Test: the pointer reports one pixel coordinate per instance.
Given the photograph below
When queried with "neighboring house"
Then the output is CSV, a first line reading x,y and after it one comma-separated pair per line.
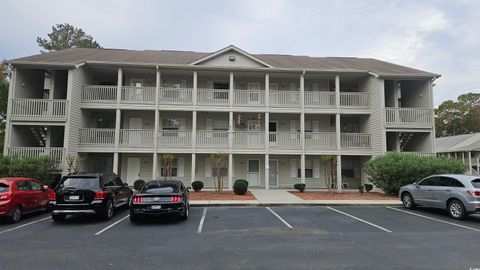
x,y
274,115
464,147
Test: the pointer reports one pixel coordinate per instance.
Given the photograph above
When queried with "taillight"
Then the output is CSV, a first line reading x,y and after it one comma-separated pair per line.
x,y
52,196
175,199
100,195
6,196
473,193
137,199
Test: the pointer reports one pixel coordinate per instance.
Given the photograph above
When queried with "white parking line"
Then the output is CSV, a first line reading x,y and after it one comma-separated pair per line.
x,y
279,217
359,219
24,225
111,225
434,219
200,225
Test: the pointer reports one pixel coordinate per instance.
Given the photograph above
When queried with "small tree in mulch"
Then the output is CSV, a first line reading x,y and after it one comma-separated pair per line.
x,y
330,172
73,163
218,159
167,165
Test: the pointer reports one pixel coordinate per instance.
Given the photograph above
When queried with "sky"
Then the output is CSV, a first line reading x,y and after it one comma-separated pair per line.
x,y
442,37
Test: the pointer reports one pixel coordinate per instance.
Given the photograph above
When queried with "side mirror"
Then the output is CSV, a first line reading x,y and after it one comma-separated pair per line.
x,y
125,184
189,188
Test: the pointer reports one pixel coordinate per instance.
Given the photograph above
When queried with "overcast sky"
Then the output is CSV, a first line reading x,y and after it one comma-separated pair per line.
x,y
437,36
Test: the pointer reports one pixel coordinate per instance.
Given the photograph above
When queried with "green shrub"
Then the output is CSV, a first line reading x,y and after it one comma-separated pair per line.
x,y
394,170
138,184
368,187
240,187
197,185
361,189
40,168
300,187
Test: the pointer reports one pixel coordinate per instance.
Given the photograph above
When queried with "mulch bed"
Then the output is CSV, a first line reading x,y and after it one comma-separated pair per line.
x,y
346,195
226,195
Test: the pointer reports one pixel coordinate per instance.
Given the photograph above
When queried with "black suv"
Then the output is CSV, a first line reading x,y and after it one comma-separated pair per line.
x,y
88,194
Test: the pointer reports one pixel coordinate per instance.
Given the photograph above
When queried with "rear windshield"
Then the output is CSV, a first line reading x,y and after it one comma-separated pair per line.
x,y
476,183
159,188
90,183
3,187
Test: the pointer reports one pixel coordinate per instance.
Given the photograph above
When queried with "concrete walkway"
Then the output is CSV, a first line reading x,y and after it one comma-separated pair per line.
x,y
275,196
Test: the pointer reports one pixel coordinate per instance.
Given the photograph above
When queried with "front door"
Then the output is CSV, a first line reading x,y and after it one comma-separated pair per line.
x,y
254,95
254,136
136,93
133,170
134,137
273,173
253,176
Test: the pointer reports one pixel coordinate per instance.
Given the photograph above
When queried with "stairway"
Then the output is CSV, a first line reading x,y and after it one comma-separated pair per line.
x,y
40,135
405,138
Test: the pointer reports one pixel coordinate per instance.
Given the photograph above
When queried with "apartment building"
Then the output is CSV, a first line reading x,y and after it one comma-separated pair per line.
x,y
276,116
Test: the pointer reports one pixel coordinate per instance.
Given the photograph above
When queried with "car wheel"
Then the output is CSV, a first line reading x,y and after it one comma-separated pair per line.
x,y
408,201
15,215
133,217
185,213
456,209
108,213
58,217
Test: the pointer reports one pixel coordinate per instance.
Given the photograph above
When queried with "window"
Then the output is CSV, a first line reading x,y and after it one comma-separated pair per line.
x,y
171,123
118,181
89,183
308,169
220,124
23,186
223,172
35,185
174,169
432,181
3,187
158,187
450,182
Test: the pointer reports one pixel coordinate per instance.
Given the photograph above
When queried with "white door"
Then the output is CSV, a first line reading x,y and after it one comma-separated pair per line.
x,y
135,137
253,176
272,128
273,173
135,94
254,136
253,95
133,170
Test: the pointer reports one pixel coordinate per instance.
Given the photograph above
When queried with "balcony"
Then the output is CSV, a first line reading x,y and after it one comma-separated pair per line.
x,y
137,137
320,99
99,94
212,139
97,136
174,138
216,97
56,152
26,109
354,100
280,98
175,96
408,117
285,140
320,141
248,139
355,141
139,95
249,98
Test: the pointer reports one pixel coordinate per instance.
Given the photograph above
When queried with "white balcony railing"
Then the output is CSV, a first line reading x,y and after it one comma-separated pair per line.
x,y
212,138
55,152
320,140
249,97
284,140
418,154
284,98
142,95
320,99
99,93
213,96
408,117
355,140
103,136
29,109
137,137
248,139
175,138
354,99
175,96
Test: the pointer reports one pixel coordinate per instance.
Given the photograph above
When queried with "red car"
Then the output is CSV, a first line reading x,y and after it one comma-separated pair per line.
x,y
20,196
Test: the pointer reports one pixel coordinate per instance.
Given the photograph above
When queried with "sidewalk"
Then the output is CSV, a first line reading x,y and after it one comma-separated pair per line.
x,y
279,197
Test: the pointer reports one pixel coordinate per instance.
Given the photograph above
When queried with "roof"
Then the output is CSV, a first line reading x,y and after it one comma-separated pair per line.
x,y
77,56
459,143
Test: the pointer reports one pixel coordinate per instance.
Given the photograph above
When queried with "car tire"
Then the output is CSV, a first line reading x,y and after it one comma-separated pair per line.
x,y
58,217
185,212
134,217
108,212
456,209
408,201
15,215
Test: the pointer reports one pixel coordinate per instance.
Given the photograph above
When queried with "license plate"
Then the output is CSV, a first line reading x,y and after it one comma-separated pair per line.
x,y
156,207
76,197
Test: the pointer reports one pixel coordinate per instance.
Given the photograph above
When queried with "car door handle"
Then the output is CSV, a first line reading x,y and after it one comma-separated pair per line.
x,y
448,190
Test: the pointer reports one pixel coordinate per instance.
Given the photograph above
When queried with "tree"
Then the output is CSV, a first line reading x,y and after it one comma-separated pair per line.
x,y
218,160
167,165
3,105
330,166
64,36
458,117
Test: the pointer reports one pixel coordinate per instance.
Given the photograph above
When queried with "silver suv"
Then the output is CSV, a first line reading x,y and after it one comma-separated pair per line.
x,y
458,194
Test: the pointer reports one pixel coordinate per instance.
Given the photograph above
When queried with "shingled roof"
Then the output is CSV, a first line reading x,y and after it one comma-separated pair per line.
x,y
459,143
76,56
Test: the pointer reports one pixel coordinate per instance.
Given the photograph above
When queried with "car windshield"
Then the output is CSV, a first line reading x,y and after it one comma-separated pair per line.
x,y
160,188
476,183
3,187
90,183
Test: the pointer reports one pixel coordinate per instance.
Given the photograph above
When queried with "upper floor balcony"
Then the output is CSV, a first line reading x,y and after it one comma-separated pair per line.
x,y
32,109
408,118
57,153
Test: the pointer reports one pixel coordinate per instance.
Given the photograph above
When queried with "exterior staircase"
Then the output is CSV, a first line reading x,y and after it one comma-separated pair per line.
x,y
40,135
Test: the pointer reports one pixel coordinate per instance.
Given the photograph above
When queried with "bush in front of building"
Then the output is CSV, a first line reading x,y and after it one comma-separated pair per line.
x,y
197,185
40,168
138,184
240,187
368,187
394,170
300,187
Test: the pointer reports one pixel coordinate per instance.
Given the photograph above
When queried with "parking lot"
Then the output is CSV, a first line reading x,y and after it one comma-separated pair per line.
x,y
247,238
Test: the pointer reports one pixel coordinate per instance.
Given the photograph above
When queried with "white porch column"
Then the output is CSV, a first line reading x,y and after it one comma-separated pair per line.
x,y
192,175
194,129
117,120
156,125
117,128
267,131
194,92
52,85
339,173
397,142
8,123
48,137
267,91
230,171
115,163
230,93
470,162
119,85
267,171
463,157
302,127
230,131
337,91
338,131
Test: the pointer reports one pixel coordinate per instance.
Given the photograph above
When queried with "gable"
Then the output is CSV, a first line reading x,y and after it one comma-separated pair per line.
x,y
225,60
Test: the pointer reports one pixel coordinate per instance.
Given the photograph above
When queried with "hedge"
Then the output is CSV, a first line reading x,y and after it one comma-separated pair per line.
x,y
40,168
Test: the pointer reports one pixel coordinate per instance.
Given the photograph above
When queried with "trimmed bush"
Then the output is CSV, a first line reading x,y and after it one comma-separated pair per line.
x,y
40,168
138,184
361,189
368,187
300,187
394,170
240,187
197,185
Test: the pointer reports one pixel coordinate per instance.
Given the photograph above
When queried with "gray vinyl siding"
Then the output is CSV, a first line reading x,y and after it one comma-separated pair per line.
x,y
375,122
223,60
